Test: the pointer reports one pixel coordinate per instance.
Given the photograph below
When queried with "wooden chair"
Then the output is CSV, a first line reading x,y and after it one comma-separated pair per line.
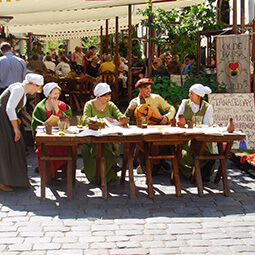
x,y
40,71
109,78
82,90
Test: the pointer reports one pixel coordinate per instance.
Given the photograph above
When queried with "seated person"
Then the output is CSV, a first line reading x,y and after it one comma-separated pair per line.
x,y
49,64
158,69
63,68
196,106
166,59
136,62
146,97
173,66
93,66
189,65
107,65
43,110
158,103
101,107
36,63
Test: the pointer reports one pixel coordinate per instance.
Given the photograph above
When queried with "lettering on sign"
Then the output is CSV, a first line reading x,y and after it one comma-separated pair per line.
x,y
240,107
233,62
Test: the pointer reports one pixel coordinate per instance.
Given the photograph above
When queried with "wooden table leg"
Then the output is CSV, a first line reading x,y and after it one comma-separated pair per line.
x,y
176,176
69,175
98,163
199,182
103,173
43,174
74,162
226,153
223,164
126,150
131,173
148,170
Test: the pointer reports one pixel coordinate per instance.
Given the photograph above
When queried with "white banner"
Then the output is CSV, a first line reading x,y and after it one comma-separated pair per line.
x,y
240,107
233,62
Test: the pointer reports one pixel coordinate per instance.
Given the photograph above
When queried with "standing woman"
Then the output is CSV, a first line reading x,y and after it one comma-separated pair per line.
x,y
13,163
101,107
196,106
43,110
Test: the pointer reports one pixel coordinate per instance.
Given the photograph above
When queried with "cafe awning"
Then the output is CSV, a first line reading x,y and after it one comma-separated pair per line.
x,y
60,19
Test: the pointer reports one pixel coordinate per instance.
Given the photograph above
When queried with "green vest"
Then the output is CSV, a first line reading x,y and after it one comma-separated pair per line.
x,y
190,115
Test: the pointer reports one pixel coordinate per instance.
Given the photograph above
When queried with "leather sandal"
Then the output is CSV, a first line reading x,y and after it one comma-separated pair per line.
x,y
4,187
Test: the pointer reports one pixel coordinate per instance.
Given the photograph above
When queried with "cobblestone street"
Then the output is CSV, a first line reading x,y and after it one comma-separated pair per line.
x,y
165,225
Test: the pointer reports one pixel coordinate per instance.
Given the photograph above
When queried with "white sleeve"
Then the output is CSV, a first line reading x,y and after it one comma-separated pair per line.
x,y
17,93
208,114
181,108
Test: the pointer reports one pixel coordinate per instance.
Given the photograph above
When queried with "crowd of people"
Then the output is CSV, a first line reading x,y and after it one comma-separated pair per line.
x,y
16,83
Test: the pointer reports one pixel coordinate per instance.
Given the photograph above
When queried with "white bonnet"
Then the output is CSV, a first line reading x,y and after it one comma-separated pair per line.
x,y
101,89
49,87
200,90
34,78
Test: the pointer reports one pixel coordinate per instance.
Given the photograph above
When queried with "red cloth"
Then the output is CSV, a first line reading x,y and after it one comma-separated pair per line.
x,y
250,157
54,150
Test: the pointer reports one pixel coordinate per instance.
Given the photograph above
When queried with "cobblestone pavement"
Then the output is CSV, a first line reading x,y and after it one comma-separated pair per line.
x,y
165,225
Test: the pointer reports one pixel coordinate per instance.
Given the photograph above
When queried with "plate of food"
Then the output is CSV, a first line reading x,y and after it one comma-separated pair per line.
x,y
95,123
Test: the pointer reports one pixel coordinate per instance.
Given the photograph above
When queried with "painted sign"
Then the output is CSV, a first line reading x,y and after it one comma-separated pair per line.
x,y
240,107
233,62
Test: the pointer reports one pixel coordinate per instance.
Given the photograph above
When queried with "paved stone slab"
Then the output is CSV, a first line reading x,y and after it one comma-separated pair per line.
x,y
164,225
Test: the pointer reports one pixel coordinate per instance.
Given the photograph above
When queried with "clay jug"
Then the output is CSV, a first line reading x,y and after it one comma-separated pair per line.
x,y
172,122
230,126
190,123
181,121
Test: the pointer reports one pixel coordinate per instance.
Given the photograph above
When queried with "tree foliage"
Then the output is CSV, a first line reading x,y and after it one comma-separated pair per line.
x,y
177,29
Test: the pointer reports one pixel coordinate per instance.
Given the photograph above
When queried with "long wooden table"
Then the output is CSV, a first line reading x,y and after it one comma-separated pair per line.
x,y
175,142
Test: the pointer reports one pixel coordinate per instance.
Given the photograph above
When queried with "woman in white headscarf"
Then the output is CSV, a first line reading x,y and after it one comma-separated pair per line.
x,y
13,163
101,107
196,106
43,110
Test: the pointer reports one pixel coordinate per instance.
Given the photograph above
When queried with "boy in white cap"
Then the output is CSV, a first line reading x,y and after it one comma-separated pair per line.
x,y
43,110
13,165
196,106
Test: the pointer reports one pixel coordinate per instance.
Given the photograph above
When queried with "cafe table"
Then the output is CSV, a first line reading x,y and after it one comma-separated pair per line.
x,y
151,136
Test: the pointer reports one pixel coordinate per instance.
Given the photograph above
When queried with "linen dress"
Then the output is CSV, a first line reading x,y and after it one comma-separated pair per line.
x,y
89,149
13,162
187,159
40,115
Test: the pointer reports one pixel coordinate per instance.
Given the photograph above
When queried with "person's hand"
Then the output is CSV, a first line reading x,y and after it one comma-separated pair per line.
x,y
132,107
54,104
67,124
164,121
109,119
17,134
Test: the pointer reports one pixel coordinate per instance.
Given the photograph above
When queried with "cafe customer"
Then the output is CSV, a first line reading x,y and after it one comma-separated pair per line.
x,y
43,111
196,106
102,107
155,101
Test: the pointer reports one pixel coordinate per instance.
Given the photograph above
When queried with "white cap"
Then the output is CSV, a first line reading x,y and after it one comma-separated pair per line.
x,y
200,90
34,78
48,87
101,89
